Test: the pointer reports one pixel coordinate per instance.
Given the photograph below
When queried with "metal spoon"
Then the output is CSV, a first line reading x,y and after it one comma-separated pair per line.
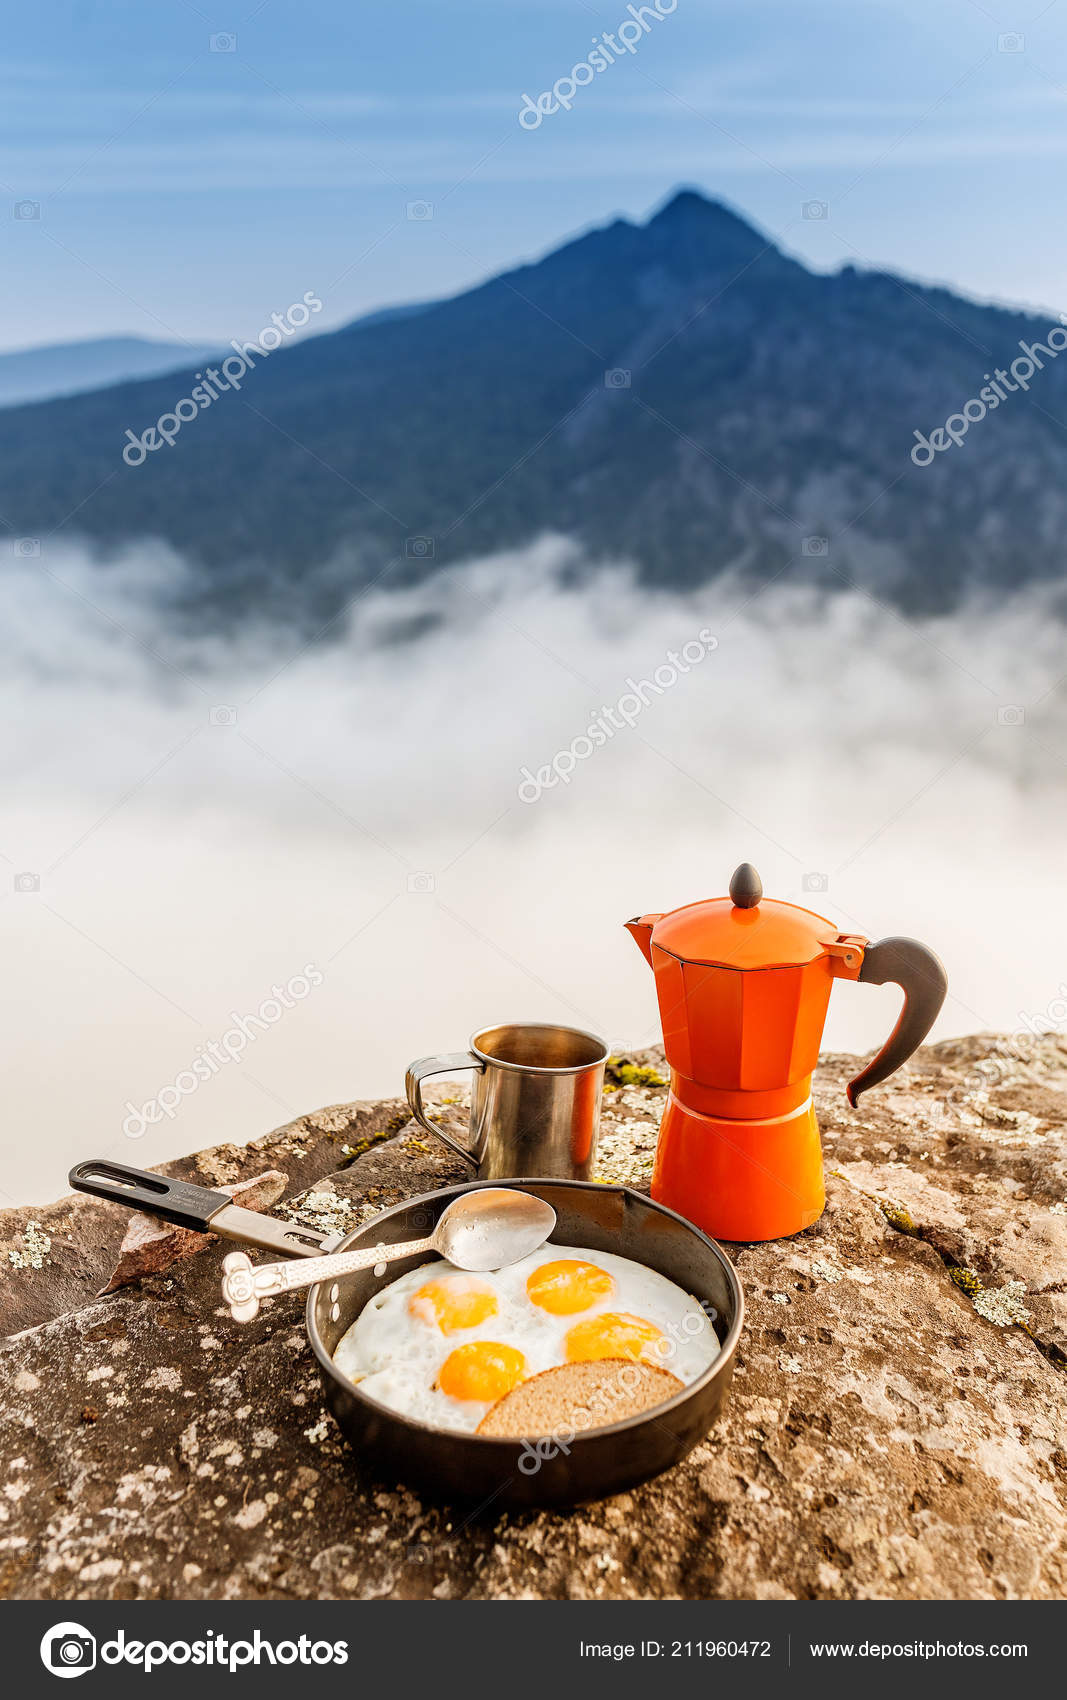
x,y
485,1229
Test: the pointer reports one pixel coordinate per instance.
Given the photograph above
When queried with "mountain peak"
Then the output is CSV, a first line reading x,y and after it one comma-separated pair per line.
x,y
706,229
690,207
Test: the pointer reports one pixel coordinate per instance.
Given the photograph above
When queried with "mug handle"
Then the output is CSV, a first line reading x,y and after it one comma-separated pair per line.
x,y
417,1073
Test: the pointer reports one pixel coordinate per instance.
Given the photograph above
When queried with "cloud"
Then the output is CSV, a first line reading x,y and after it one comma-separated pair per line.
x,y
205,816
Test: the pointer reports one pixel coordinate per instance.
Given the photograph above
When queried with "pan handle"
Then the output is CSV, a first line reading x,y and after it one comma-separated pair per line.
x,y
197,1207
176,1201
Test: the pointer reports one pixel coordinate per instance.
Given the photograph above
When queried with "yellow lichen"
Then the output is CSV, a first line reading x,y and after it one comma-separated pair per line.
x,y
393,1125
620,1073
896,1215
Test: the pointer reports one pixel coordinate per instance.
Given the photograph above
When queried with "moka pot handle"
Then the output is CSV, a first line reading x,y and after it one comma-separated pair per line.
x,y
921,975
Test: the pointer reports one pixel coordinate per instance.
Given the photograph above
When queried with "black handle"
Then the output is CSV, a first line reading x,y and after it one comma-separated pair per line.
x,y
921,975
176,1201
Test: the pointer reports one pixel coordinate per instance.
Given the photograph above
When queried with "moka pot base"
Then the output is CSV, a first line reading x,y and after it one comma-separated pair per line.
x,y
740,1179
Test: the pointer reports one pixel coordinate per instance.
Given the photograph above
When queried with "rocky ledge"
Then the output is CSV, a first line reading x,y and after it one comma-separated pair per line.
x,y
897,1427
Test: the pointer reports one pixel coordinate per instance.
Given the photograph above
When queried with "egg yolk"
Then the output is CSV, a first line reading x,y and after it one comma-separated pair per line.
x,y
568,1286
453,1305
483,1370
614,1334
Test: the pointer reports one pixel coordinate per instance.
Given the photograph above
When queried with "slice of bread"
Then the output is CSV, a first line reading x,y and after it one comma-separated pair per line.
x,y
579,1396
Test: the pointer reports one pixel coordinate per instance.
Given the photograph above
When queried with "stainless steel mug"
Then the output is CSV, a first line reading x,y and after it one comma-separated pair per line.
x,y
535,1101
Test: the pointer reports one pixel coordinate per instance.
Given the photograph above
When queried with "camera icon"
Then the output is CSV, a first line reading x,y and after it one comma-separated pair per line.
x,y
224,42
1011,714
1012,42
27,209
815,209
421,884
815,882
27,882
68,1650
419,548
815,546
419,211
222,715
25,547
618,378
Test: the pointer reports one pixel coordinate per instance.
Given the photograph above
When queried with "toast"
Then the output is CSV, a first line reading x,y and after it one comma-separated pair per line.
x,y
579,1396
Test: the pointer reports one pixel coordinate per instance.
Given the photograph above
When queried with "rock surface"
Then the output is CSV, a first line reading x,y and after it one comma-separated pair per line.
x,y
897,1426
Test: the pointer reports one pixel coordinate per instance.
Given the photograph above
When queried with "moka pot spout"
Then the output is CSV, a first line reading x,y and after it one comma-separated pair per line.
x,y
641,928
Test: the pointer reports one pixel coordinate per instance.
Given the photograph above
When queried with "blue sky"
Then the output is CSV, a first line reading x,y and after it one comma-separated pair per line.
x,y
190,192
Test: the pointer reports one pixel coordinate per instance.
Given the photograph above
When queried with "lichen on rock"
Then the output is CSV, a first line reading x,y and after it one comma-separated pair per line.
x,y
33,1250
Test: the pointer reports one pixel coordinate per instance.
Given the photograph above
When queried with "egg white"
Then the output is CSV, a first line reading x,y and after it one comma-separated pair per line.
x,y
396,1357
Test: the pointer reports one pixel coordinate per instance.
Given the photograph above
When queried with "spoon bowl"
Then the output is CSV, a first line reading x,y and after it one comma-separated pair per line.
x,y
493,1227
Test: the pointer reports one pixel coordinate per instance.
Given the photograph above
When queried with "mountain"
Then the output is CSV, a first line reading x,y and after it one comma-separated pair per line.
x,y
65,368
680,393
385,315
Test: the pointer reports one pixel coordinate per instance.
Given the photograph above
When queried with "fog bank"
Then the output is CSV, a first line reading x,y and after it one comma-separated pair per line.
x,y
190,822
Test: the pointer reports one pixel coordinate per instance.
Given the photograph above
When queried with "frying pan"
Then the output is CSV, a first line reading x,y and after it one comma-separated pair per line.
x,y
457,1466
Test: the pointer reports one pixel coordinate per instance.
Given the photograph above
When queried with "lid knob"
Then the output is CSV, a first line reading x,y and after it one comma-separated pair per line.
x,y
746,887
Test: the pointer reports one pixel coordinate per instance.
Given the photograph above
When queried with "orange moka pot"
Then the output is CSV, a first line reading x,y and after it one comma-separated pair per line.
x,y
743,985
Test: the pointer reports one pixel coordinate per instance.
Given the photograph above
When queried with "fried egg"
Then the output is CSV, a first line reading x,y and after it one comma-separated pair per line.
x,y
442,1345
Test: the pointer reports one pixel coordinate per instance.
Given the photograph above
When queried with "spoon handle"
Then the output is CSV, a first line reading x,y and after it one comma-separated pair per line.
x,y
245,1284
